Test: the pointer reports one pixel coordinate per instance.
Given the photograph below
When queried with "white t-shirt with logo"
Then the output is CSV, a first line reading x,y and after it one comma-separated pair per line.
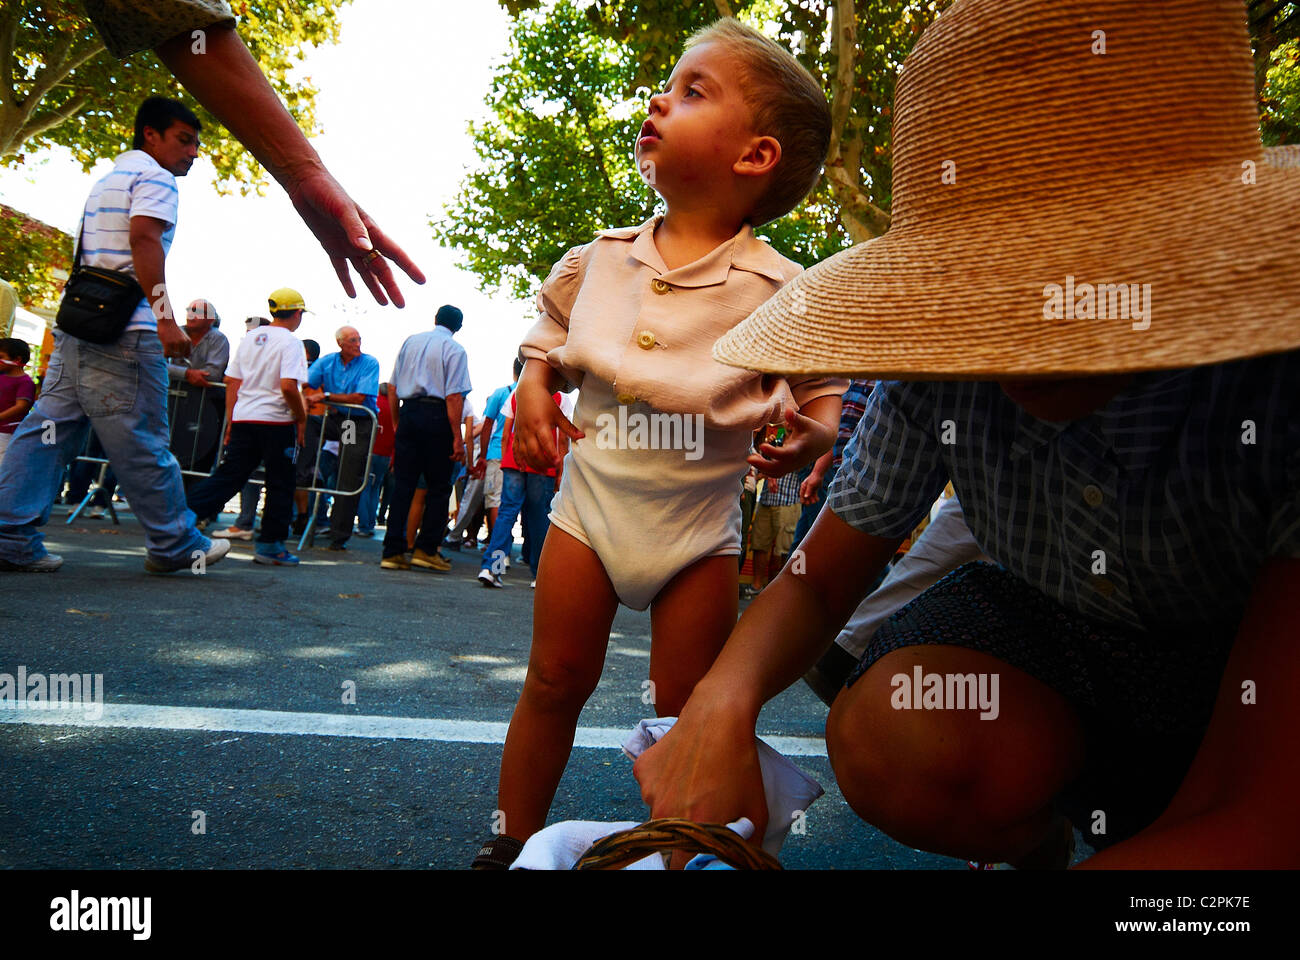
x,y
266,356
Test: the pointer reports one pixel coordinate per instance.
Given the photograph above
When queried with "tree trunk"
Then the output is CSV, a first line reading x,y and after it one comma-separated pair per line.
x,y
18,124
862,219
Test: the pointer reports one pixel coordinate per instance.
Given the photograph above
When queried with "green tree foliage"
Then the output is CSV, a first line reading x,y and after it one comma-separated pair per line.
x,y
30,252
60,86
555,159
1275,30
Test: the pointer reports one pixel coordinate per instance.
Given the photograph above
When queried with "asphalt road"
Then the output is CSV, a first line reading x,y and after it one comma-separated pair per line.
x,y
244,637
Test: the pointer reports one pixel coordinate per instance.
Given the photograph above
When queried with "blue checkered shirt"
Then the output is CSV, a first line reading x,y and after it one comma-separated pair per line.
x,y
1179,488
780,493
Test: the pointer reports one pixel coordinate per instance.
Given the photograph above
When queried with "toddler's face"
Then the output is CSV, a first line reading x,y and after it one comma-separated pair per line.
x,y
698,127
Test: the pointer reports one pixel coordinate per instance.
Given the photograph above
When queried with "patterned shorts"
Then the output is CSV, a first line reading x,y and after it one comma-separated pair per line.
x,y
1144,699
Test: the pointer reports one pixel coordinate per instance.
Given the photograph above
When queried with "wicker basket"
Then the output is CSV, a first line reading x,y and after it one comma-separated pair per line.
x,y
656,836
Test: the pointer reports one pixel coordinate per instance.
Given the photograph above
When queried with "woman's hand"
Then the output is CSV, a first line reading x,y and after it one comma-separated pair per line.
x,y
706,770
348,235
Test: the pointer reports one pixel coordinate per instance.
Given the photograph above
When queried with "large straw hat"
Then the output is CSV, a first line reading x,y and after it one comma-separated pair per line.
x,y
1030,167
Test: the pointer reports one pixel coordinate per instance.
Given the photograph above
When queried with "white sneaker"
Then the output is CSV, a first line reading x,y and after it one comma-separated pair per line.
x,y
46,564
215,552
488,579
95,513
533,585
233,533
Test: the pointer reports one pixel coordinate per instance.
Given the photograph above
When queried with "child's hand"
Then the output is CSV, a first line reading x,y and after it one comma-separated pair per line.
x,y
537,417
806,439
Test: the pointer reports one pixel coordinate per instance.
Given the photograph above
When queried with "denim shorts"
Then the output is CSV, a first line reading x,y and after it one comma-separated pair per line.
x,y
1144,699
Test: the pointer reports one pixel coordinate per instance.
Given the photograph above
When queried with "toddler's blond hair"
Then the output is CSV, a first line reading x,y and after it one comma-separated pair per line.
x,y
786,103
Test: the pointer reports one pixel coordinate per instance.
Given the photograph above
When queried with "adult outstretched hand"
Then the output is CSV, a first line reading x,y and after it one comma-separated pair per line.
x,y
349,235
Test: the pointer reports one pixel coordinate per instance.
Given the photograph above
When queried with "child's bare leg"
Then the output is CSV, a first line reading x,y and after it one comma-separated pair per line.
x,y
946,780
690,621
572,612
762,565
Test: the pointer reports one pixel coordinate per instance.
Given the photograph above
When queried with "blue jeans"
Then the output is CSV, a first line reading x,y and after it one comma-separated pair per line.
x,y
368,505
121,389
532,493
808,515
248,498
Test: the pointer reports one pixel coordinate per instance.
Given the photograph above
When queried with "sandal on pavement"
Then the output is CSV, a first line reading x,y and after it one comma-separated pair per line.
x,y
497,853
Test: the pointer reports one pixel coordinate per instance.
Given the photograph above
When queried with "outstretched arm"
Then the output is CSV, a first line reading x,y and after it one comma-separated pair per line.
x,y
706,767
227,80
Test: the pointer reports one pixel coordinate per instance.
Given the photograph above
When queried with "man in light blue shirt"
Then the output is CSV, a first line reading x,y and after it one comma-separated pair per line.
x,y
430,379
346,377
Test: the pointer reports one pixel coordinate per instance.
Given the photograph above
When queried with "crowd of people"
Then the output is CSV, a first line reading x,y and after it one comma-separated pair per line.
x,y
1113,504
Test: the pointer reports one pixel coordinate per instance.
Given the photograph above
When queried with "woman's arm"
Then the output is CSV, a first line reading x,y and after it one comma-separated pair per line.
x,y
706,767
1237,806
227,80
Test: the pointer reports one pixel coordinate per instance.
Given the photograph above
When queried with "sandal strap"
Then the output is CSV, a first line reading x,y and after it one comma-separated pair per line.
x,y
497,853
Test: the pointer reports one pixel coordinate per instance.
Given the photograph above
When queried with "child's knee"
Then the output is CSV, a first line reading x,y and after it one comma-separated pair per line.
x,y
560,684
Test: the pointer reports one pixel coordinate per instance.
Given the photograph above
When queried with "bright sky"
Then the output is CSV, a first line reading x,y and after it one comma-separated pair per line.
x,y
396,96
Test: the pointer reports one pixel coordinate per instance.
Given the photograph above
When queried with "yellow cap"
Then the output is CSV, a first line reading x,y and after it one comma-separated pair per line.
x,y
286,298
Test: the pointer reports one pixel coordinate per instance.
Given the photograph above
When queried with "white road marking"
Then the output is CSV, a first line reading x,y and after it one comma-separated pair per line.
x,y
147,717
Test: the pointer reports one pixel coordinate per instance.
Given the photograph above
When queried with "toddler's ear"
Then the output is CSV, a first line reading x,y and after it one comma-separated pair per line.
x,y
761,157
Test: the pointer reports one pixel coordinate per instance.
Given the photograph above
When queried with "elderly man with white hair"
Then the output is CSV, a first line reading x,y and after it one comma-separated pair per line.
x,y
348,376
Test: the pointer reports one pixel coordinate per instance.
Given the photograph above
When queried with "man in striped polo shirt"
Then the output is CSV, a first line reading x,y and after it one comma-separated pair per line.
x,y
119,388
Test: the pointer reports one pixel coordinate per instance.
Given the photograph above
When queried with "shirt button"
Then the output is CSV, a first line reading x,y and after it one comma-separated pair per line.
x,y
659,286
1103,586
645,339
1092,495
626,399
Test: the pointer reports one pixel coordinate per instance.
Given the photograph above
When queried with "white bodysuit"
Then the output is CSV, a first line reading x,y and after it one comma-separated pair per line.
x,y
638,338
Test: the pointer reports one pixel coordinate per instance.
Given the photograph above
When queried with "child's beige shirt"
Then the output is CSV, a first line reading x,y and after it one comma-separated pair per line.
x,y
613,309
638,338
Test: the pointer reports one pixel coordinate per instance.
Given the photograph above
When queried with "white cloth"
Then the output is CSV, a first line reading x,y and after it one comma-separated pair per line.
x,y
266,356
648,513
789,791
136,187
561,845
942,547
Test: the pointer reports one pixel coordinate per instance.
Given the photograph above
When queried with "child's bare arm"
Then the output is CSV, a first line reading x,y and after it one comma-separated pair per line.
x,y
537,417
16,412
809,434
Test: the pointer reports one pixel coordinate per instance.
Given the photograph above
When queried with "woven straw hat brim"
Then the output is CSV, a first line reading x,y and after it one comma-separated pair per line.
x,y
964,299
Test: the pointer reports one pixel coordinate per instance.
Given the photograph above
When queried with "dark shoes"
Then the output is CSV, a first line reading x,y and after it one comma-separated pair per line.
x,y
497,853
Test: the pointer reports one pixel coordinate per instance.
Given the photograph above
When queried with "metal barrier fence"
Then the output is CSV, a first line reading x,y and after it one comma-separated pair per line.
x,y
196,417
321,439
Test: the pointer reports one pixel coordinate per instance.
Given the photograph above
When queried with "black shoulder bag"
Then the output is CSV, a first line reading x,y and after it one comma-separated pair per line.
x,y
97,304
